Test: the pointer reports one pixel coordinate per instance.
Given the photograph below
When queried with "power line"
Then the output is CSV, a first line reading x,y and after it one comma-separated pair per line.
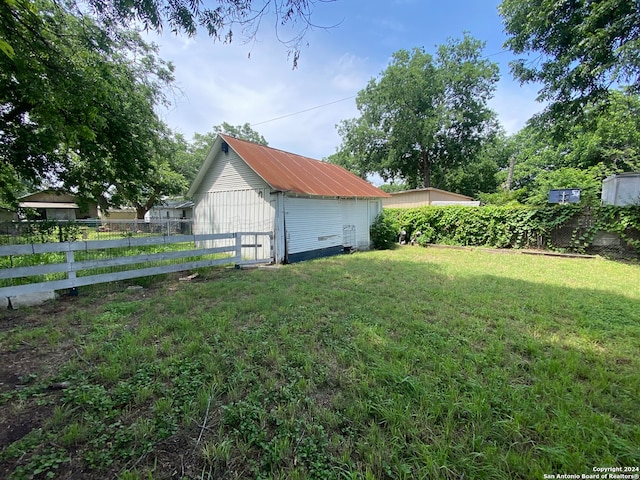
x,y
497,53
303,111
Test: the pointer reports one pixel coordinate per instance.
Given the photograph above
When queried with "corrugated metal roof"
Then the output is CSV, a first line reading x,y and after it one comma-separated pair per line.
x,y
429,189
293,173
177,204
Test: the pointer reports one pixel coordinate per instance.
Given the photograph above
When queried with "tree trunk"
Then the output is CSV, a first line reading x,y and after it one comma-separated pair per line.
x,y
140,211
426,169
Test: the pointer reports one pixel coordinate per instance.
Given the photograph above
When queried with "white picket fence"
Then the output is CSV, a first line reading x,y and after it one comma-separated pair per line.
x,y
231,245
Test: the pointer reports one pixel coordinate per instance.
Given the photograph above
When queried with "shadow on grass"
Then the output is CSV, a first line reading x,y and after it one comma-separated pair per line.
x,y
544,372
392,365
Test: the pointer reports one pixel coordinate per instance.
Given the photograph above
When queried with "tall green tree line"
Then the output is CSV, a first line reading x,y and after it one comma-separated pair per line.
x,y
77,105
424,117
79,91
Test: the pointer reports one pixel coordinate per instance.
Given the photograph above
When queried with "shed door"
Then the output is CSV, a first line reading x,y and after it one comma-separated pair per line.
x,y
312,224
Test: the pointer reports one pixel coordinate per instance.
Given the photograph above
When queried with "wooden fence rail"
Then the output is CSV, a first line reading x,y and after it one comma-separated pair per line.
x,y
71,267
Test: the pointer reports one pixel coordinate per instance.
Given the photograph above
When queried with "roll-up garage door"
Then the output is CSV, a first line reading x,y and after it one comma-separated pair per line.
x,y
313,225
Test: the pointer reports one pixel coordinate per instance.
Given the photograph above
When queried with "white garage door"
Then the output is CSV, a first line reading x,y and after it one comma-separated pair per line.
x,y
312,224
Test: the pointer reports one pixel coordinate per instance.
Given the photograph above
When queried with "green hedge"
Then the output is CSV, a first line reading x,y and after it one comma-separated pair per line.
x,y
510,226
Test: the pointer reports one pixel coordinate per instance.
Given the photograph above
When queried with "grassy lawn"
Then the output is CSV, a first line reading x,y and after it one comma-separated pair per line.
x,y
414,363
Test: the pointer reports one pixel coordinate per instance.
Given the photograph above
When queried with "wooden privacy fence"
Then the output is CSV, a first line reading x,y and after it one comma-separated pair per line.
x,y
230,245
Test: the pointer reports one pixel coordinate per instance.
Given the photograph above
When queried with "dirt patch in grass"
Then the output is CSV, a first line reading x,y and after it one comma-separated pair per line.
x,y
28,367
21,366
27,357
328,370
21,423
174,457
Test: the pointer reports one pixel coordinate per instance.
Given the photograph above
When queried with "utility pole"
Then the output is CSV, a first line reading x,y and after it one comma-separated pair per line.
x,y
512,164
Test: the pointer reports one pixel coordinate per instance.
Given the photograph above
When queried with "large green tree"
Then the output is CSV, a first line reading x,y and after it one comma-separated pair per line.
x,y
221,19
76,106
577,49
606,142
423,117
164,177
610,135
78,95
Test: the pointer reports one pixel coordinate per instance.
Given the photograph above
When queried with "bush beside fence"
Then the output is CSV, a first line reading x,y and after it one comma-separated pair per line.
x,y
606,230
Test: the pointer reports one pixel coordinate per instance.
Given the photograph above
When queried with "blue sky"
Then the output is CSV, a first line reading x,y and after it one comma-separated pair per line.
x,y
254,82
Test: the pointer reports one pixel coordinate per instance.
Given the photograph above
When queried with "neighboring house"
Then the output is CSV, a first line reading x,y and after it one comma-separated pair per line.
x,y
622,190
313,208
426,196
121,213
171,209
56,205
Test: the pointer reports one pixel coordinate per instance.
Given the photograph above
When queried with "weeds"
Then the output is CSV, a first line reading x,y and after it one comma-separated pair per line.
x,y
415,363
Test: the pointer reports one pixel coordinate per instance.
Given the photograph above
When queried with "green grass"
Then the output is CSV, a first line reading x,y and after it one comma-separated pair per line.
x,y
413,363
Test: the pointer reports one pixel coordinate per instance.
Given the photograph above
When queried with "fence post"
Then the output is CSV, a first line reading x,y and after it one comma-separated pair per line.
x,y
71,274
238,247
272,247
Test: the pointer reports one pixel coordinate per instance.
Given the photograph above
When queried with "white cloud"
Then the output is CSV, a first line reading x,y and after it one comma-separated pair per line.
x,y
220,83
515,104
349,73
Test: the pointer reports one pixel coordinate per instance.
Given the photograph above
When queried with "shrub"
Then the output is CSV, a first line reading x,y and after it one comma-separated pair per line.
x,y
384,231
513,226
424,239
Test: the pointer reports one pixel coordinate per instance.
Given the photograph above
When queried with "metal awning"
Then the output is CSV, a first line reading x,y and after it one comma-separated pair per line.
x,y
61,205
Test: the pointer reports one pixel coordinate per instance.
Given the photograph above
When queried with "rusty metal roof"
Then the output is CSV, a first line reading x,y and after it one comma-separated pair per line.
x,y
289,172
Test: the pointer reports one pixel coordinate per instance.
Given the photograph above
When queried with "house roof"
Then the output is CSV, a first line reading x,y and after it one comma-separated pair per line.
x,y
46,191
430,189
288,172
175,204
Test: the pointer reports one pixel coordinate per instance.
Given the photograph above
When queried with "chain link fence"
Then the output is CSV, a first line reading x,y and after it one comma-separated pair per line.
x,y
580,234
57,231
45,231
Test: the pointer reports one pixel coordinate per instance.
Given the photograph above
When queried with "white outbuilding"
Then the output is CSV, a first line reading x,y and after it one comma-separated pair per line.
x,y
312,208
622,190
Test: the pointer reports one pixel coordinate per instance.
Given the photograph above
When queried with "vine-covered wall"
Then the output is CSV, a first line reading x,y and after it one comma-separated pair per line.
x,y
559,227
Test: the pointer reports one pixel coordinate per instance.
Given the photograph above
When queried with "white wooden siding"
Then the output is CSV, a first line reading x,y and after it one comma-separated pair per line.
x,y
375,207
277,203
236,211
229,172
233,198
358,213
312,224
